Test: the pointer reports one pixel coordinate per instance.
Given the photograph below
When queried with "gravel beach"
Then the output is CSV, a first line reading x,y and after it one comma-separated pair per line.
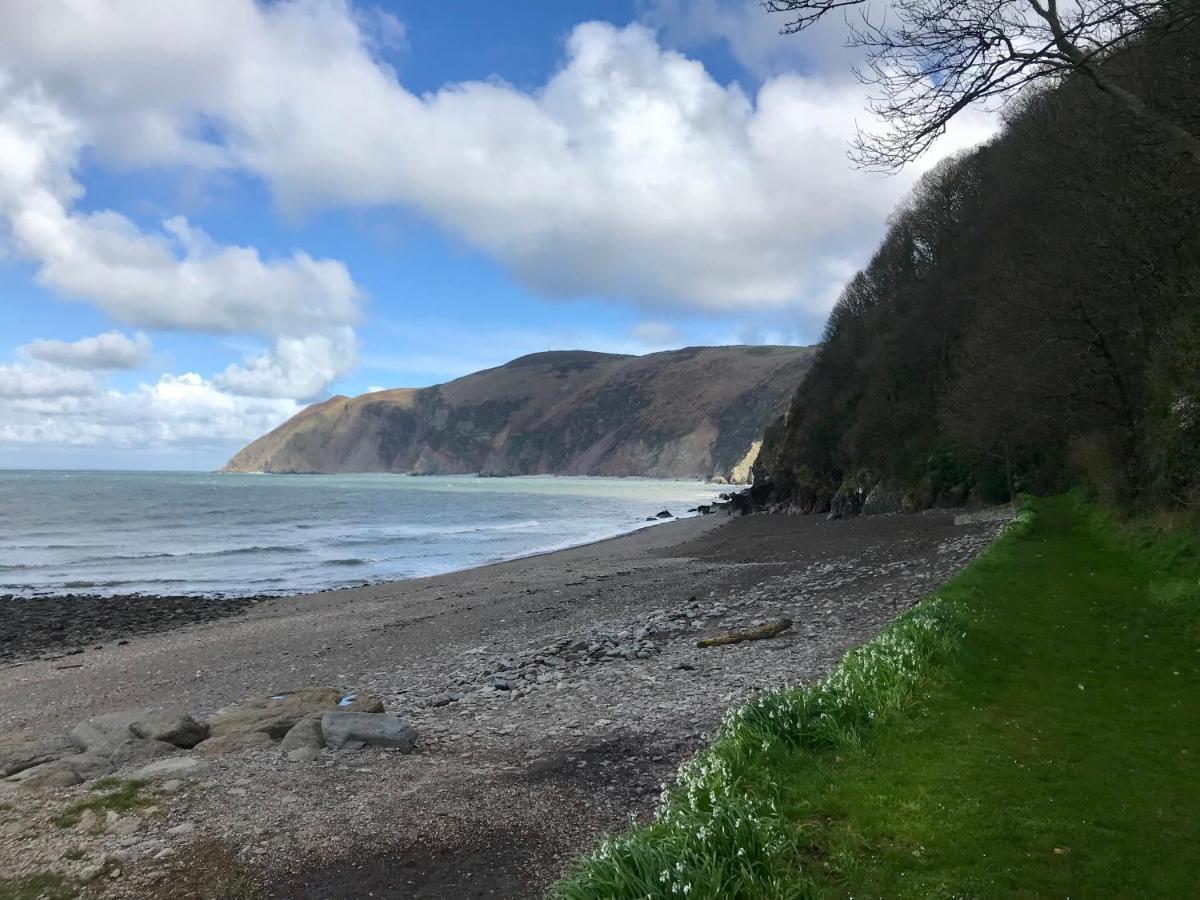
x,y
552,696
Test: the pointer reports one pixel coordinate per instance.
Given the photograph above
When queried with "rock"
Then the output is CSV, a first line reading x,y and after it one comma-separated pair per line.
x,y
103,733
352,731
20,751
443,699
136,750
47,775
305,733
176,728
125,826
304,754
88,874
363,703
172,769
171,786
274,715
665,514
233,743
63,772
183,829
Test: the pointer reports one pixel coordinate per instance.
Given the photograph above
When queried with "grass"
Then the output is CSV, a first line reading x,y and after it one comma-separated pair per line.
x,y
44,886
108,795
1029,731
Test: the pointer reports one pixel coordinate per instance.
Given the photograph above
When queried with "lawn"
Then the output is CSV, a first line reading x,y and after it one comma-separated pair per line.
x,y
1032,730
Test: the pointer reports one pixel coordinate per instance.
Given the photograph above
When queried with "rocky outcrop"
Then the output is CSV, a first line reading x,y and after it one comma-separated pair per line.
x,y
692,413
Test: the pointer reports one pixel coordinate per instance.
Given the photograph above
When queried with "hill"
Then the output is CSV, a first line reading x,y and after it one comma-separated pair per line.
x,y
692,413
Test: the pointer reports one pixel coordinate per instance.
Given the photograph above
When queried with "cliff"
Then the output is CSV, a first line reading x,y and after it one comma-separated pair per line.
x,y
698,412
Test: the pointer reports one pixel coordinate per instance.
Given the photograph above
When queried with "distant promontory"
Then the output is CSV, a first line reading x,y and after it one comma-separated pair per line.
x,y
698,412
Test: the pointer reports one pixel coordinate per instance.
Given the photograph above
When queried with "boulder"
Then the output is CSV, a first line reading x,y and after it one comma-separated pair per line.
x,y
305,733
170,769
20,751
233,743
364,703
353,731
136,750
64,772
275,715
102,734
176,728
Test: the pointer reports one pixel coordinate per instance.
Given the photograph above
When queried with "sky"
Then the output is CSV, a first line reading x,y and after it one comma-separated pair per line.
x,y
214,213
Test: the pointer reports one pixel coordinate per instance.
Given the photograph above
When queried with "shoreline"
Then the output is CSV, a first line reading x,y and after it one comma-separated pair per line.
x,y
50,627
505,786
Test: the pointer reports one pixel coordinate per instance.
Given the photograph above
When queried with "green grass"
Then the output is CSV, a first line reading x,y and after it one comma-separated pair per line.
x,y
108,795
44,886
1030,731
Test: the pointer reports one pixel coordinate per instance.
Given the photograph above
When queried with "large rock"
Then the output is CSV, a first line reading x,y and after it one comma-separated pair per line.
x,y
353,731
173,767
105,733
64,772
102,734
20,751
305,733
234,743
136,750
275,715
170,727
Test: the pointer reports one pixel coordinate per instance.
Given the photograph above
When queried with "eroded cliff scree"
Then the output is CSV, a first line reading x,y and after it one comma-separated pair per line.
x,y
693,413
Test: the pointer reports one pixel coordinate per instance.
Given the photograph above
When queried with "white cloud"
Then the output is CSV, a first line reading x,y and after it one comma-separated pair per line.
x,y
300,367
103,352
176,410
40,382
631,172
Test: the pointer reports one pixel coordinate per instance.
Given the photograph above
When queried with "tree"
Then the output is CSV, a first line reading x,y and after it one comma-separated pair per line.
x,y
931,59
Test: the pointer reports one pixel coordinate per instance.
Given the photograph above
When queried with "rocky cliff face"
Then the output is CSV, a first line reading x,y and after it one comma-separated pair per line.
x,y
691,413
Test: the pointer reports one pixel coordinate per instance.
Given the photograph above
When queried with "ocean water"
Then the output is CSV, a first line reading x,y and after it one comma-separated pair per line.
x,y
176,533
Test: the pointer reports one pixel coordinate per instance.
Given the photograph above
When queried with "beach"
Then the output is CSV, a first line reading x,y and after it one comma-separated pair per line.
x,y
511,777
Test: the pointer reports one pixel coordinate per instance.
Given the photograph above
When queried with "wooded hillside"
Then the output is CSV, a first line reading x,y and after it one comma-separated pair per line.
x,y
1031,319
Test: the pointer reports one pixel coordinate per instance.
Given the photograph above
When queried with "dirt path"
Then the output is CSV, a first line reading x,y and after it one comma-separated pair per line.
x,y
581,690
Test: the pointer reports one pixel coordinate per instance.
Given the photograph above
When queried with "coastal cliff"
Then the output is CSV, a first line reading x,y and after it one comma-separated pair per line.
x,y
698,412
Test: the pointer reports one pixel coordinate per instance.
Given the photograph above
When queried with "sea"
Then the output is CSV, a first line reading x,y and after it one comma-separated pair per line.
x,y
206,534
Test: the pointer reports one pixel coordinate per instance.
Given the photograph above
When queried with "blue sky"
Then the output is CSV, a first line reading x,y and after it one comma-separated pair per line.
x,y
213,214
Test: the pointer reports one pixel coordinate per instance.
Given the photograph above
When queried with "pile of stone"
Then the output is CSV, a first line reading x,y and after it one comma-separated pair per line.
x,y
512,675
301,723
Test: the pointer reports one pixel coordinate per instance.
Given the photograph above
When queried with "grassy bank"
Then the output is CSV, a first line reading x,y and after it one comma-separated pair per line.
x,y
1031,730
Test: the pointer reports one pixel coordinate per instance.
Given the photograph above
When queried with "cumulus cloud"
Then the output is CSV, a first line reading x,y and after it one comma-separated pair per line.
x,y
299,367
103,352
630,173
40,382
174,410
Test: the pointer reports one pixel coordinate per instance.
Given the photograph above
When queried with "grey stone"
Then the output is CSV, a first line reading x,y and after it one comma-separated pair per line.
x,y
274,715
304,754
125,826
233,743
352,731
64,772
305,733
136,750
171,727
172,768
102,734
183,829
20,751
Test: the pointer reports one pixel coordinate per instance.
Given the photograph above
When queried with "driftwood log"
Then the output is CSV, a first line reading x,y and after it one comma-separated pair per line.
x,y
757,633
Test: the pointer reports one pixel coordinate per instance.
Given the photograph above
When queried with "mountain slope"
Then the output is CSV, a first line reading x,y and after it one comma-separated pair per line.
x,y
691,413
